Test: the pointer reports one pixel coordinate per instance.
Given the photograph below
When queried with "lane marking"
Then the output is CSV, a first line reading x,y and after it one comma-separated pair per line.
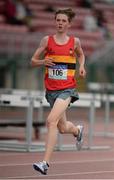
x,y
61,162
32,153
63,174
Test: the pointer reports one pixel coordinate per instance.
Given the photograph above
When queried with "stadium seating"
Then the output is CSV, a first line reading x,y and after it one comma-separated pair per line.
x,y
43,21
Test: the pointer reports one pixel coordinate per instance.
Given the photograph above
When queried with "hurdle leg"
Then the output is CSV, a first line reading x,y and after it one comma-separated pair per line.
x,y
29,124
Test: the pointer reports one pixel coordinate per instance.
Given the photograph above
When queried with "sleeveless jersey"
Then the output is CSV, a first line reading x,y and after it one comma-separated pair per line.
x,y
62,74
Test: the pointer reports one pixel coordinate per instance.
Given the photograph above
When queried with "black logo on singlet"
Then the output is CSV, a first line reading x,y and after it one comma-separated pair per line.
x,y
50,51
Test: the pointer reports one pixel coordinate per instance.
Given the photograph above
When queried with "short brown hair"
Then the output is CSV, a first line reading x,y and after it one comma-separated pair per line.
x,y
69,12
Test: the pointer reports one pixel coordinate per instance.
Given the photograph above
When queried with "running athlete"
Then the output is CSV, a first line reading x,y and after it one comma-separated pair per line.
x,y
61,53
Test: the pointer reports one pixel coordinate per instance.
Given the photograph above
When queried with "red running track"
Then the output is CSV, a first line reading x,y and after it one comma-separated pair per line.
x,y
85,164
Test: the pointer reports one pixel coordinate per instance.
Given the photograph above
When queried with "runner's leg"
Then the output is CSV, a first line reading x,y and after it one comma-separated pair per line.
x,y
65,126
55,115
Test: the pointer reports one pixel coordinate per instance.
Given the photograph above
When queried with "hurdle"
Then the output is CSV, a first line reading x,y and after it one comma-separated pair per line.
x,y
107,97
36,99
24,99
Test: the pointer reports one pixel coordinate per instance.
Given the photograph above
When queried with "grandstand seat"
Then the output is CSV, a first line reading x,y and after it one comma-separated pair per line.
x,y
104,7
44,22
2,19
111,29
12,29
1,7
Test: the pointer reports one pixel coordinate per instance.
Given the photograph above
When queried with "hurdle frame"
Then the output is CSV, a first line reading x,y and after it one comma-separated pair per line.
x,y
91,100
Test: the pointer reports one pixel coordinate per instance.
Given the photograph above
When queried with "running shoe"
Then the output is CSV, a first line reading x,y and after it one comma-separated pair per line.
x,y
42,167
79,137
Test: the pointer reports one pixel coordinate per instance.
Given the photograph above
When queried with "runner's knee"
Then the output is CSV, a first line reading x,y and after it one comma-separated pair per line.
x,y
51,122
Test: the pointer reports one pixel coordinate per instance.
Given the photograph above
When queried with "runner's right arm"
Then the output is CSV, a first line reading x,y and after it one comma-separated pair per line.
x,y
35,60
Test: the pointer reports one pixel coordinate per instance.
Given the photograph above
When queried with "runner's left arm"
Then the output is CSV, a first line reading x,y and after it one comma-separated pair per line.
x,y
80,57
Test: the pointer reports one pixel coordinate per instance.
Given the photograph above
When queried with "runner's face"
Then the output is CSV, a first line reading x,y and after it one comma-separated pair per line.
x,y
62,23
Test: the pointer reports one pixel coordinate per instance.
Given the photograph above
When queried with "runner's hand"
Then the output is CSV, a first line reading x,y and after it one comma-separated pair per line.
x,y
49,62
82,72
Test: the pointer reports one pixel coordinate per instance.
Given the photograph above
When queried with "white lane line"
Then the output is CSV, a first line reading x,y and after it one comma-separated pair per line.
x,y
32,153
15,154
63,174
61,162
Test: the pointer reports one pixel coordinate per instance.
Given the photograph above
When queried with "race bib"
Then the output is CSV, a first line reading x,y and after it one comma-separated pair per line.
x,y
58,72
